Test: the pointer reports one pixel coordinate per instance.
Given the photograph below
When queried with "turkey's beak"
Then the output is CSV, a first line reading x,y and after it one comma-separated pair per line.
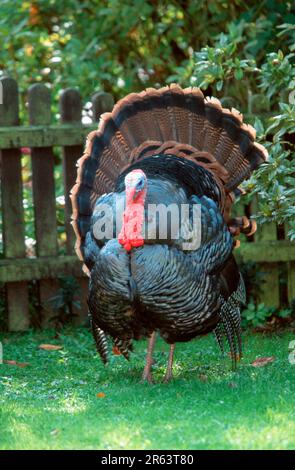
x,y
135,192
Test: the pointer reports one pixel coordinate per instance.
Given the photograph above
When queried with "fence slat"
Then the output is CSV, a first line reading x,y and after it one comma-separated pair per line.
x,y
290,271
43,192
70,112
29,269
12,206
44,136
101,103
270,289
291,281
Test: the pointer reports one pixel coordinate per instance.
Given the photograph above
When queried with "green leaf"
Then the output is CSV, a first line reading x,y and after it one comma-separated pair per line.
x,y
219,85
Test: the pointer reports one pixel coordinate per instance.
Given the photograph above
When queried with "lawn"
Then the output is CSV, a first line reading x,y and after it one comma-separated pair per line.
x,y
67,399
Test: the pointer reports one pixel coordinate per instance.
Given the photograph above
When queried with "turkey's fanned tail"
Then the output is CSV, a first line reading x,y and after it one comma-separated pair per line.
x,y
168,121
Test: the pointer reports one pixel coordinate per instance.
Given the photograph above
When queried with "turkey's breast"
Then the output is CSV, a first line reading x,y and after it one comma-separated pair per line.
x,y
153,287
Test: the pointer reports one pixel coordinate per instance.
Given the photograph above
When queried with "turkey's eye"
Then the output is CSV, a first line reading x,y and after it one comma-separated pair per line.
x,y
140,185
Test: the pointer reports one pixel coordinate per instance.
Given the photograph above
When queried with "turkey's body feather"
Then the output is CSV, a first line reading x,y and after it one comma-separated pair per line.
x,y
160,286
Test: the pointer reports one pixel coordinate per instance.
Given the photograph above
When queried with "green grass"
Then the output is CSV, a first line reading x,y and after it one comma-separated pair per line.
x,y
53,403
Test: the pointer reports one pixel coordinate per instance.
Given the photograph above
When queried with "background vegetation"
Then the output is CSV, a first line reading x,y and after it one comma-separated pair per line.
x,y
59,395
241,52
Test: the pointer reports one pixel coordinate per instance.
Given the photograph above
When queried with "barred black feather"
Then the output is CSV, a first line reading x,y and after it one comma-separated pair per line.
x,y
100,342
124,346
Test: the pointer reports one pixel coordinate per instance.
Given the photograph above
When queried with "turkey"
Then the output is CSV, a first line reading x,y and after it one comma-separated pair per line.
x,y
151,271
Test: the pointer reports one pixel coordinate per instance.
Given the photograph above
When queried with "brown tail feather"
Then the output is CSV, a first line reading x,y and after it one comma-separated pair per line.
x,y
194,101
169,120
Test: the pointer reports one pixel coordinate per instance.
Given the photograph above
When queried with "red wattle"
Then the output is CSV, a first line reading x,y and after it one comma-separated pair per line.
x,y
130,235
127,246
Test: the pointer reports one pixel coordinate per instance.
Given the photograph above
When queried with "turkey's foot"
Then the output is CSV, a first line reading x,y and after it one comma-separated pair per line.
x,y
168,377
147,377
169,373
147,372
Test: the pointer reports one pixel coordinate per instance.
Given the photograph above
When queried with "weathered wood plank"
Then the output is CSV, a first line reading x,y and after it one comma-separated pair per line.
x,y
267,252
51,267
82,312
27,269
291,281
43,176
70,112
270,289
290,274
12,206
43,192
44,136
101,103
18,306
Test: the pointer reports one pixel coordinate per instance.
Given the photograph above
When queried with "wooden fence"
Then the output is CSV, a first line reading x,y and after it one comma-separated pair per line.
x,y
16,269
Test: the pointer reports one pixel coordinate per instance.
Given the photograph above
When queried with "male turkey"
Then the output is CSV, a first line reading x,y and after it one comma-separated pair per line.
x,y
166,146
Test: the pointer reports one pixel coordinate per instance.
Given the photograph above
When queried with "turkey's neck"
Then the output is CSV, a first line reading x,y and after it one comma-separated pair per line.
x,y
133,217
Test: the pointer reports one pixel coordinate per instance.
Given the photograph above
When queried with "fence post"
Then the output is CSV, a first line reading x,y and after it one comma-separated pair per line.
x,y
43,189
70,105
101,103
290,273
291,281
70,112
12,207
270,289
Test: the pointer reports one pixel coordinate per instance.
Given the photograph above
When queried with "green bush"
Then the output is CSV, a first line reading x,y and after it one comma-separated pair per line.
x,y
257,315
242,53
222,67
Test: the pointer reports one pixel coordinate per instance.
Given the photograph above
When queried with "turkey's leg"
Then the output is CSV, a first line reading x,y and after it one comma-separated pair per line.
x,y
169,375
147,374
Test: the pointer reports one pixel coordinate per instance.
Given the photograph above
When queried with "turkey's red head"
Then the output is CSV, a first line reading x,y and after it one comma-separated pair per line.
x,y
135,190
135,185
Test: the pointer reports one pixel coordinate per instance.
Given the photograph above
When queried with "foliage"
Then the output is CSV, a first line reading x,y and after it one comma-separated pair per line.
x,y
274,182
257,315
121,46
218,67
242,53
220,63
61,409
253,278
